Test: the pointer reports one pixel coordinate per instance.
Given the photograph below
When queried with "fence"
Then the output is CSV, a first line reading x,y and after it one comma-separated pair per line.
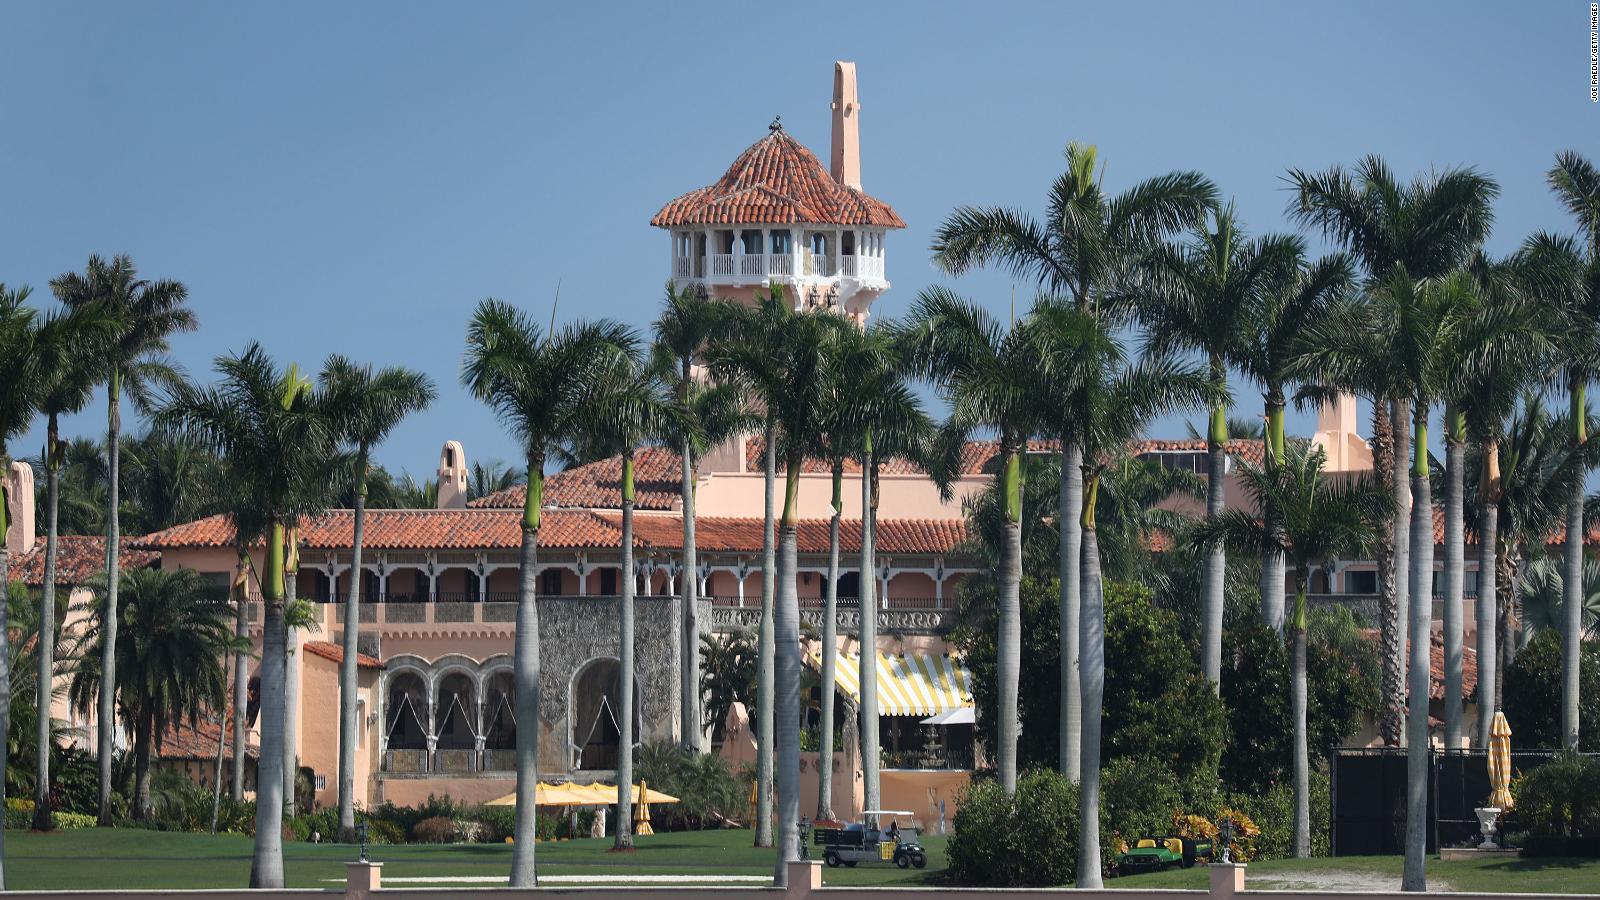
x,y
1369,797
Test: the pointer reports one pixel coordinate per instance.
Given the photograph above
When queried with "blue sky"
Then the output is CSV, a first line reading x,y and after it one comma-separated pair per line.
x,y
355,177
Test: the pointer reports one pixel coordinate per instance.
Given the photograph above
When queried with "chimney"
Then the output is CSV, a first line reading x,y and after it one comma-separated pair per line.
x,y
19,490
452,476
845,166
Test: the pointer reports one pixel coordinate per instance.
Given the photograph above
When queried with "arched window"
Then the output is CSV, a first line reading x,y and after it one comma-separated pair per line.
x,y
596,730
500,712
404,713
455,714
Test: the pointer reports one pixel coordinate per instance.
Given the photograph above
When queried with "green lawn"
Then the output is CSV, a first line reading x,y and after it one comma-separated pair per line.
x,y
95,859
147,859
1527,876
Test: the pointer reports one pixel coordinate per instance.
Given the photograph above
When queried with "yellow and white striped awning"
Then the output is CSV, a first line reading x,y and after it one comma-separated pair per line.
x,y
918,684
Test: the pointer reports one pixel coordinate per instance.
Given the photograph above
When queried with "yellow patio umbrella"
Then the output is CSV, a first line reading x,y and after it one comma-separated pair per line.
x,y
644,810
1500,763
547,794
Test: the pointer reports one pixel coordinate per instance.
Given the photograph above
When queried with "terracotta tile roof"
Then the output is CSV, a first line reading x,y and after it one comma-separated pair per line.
x,y
777,181
1469,669
331,651
413,529
736,535
78,558
183,741
657,472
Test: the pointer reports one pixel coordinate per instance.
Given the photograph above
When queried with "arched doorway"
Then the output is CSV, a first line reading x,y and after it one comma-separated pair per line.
x,y
596,730
455,714
405,734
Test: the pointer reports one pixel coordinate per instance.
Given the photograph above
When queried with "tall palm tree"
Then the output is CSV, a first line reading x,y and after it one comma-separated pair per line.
x,y
148,312
630,406
74,380
1199,297
29,350
790,378
989,374
873,414
1576,183
538,382
687,324
1081,250
1317,520
1429,227
1111,402
491,477
366,405
281,452
172,661
1292,303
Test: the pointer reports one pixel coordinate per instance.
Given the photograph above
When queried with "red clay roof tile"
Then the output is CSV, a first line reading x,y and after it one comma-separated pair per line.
x,y
777,181
78,558
331,651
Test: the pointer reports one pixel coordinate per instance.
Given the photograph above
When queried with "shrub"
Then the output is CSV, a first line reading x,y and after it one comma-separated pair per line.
x,y
1137,797
1028,840
19,812
383,831
1273,814
1559,806
1533,693
545,827
70,820
434,830
496,823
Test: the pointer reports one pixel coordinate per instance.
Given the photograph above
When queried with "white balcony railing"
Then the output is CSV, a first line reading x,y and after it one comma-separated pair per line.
x,y
680,266
780,264
848,267
819,264
759,266
753,264
721,264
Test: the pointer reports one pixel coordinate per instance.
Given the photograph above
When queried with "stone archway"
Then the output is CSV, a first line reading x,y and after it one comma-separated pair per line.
x,y
595,729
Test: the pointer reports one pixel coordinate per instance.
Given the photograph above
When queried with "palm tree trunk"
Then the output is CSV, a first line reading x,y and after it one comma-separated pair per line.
x,y
348,672
830,650
1217,554
266,865
787,696
525,668
1400,412
1092,662
764,652
1009,639
222,748
625,666
689,670
1455,572
291,688
241,677
106,722
1069,565
1488,596
1420,593
1572,575
1274,565
1297,706
868,675
43,815
1390,611
5,644
142,728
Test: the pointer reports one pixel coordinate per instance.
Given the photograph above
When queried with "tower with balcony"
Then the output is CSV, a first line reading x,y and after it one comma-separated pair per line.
x,y
779,217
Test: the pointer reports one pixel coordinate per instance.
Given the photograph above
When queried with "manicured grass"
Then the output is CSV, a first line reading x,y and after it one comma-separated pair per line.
x,y
1526,876
129,858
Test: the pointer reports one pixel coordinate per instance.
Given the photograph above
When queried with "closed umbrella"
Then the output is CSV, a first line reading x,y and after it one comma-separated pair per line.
x,y
644,810
1500,763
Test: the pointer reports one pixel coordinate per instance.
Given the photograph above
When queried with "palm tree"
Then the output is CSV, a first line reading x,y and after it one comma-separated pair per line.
x,y
1199,297
148,313
366,405
1543,597
871,413
167,479
1576,182
171,661
1430,227
492,477
29,369
685,329
1110,401
790,378
630,406
1317,520
282,462
1087,241
989,375
1292,304
538,382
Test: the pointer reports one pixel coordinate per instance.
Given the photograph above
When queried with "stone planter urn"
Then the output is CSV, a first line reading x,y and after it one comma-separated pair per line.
x,y
1487,815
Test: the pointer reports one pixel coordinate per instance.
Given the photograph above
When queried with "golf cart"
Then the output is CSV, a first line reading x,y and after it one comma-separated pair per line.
x,y
867,841
1152,854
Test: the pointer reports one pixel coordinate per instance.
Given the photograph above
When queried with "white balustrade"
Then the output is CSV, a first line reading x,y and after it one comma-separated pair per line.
x,y
780,264
847,265
752,264
722,264
680,266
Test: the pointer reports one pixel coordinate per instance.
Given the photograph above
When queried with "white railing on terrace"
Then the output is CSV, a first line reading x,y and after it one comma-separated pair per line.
x,y
819,264
680,266
722,264
780,264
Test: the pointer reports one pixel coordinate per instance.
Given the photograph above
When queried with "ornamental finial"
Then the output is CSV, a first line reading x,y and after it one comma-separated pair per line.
x,y
777,124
